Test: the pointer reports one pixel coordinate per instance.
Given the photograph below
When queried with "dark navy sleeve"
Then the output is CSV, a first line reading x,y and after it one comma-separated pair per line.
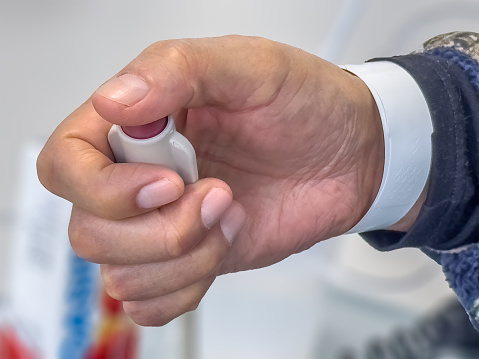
x,y
450,215
447,228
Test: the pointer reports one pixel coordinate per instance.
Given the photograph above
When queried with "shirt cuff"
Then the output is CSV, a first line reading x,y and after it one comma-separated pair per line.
x,y
407,129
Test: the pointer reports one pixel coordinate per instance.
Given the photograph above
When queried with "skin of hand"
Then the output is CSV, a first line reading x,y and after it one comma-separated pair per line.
x,y
295,140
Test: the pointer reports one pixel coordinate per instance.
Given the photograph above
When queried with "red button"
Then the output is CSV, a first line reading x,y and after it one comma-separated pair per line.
x,y
149,130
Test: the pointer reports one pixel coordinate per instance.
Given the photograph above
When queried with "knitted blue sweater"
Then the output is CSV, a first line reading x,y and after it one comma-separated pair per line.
x,y
461,266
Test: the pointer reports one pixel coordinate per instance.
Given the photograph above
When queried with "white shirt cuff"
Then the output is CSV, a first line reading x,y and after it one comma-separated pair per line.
x,y
407,128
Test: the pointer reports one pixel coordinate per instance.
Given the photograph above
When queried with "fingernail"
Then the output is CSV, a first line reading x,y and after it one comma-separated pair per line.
x,y
232,221
214,205
157,194
126,89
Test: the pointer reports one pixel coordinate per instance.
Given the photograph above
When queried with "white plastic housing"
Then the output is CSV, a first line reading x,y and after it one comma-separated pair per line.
x,y
169,148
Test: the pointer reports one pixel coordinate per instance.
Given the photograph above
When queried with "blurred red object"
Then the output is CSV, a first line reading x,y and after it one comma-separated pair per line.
x,y
119,345
117,336
11,346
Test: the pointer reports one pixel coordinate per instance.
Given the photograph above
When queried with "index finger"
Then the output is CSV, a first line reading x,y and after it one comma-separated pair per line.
x,y
77,164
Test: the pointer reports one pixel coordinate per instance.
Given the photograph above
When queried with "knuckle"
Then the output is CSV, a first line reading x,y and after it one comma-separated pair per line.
x,y
154,48
78,240
212,257
85,243
210,263
144,316
216,257
74,233
193,300
43,169
181,52
46,169
115,282
178,243
213,262
179,57
193,305
175,246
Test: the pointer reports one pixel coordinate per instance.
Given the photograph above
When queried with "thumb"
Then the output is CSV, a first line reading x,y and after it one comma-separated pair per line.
x,y
231,73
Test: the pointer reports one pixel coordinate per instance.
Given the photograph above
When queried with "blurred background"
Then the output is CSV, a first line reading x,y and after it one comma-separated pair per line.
x,y
338,295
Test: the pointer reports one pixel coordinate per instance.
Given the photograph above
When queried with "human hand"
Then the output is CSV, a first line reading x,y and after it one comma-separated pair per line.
x,y
295,139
